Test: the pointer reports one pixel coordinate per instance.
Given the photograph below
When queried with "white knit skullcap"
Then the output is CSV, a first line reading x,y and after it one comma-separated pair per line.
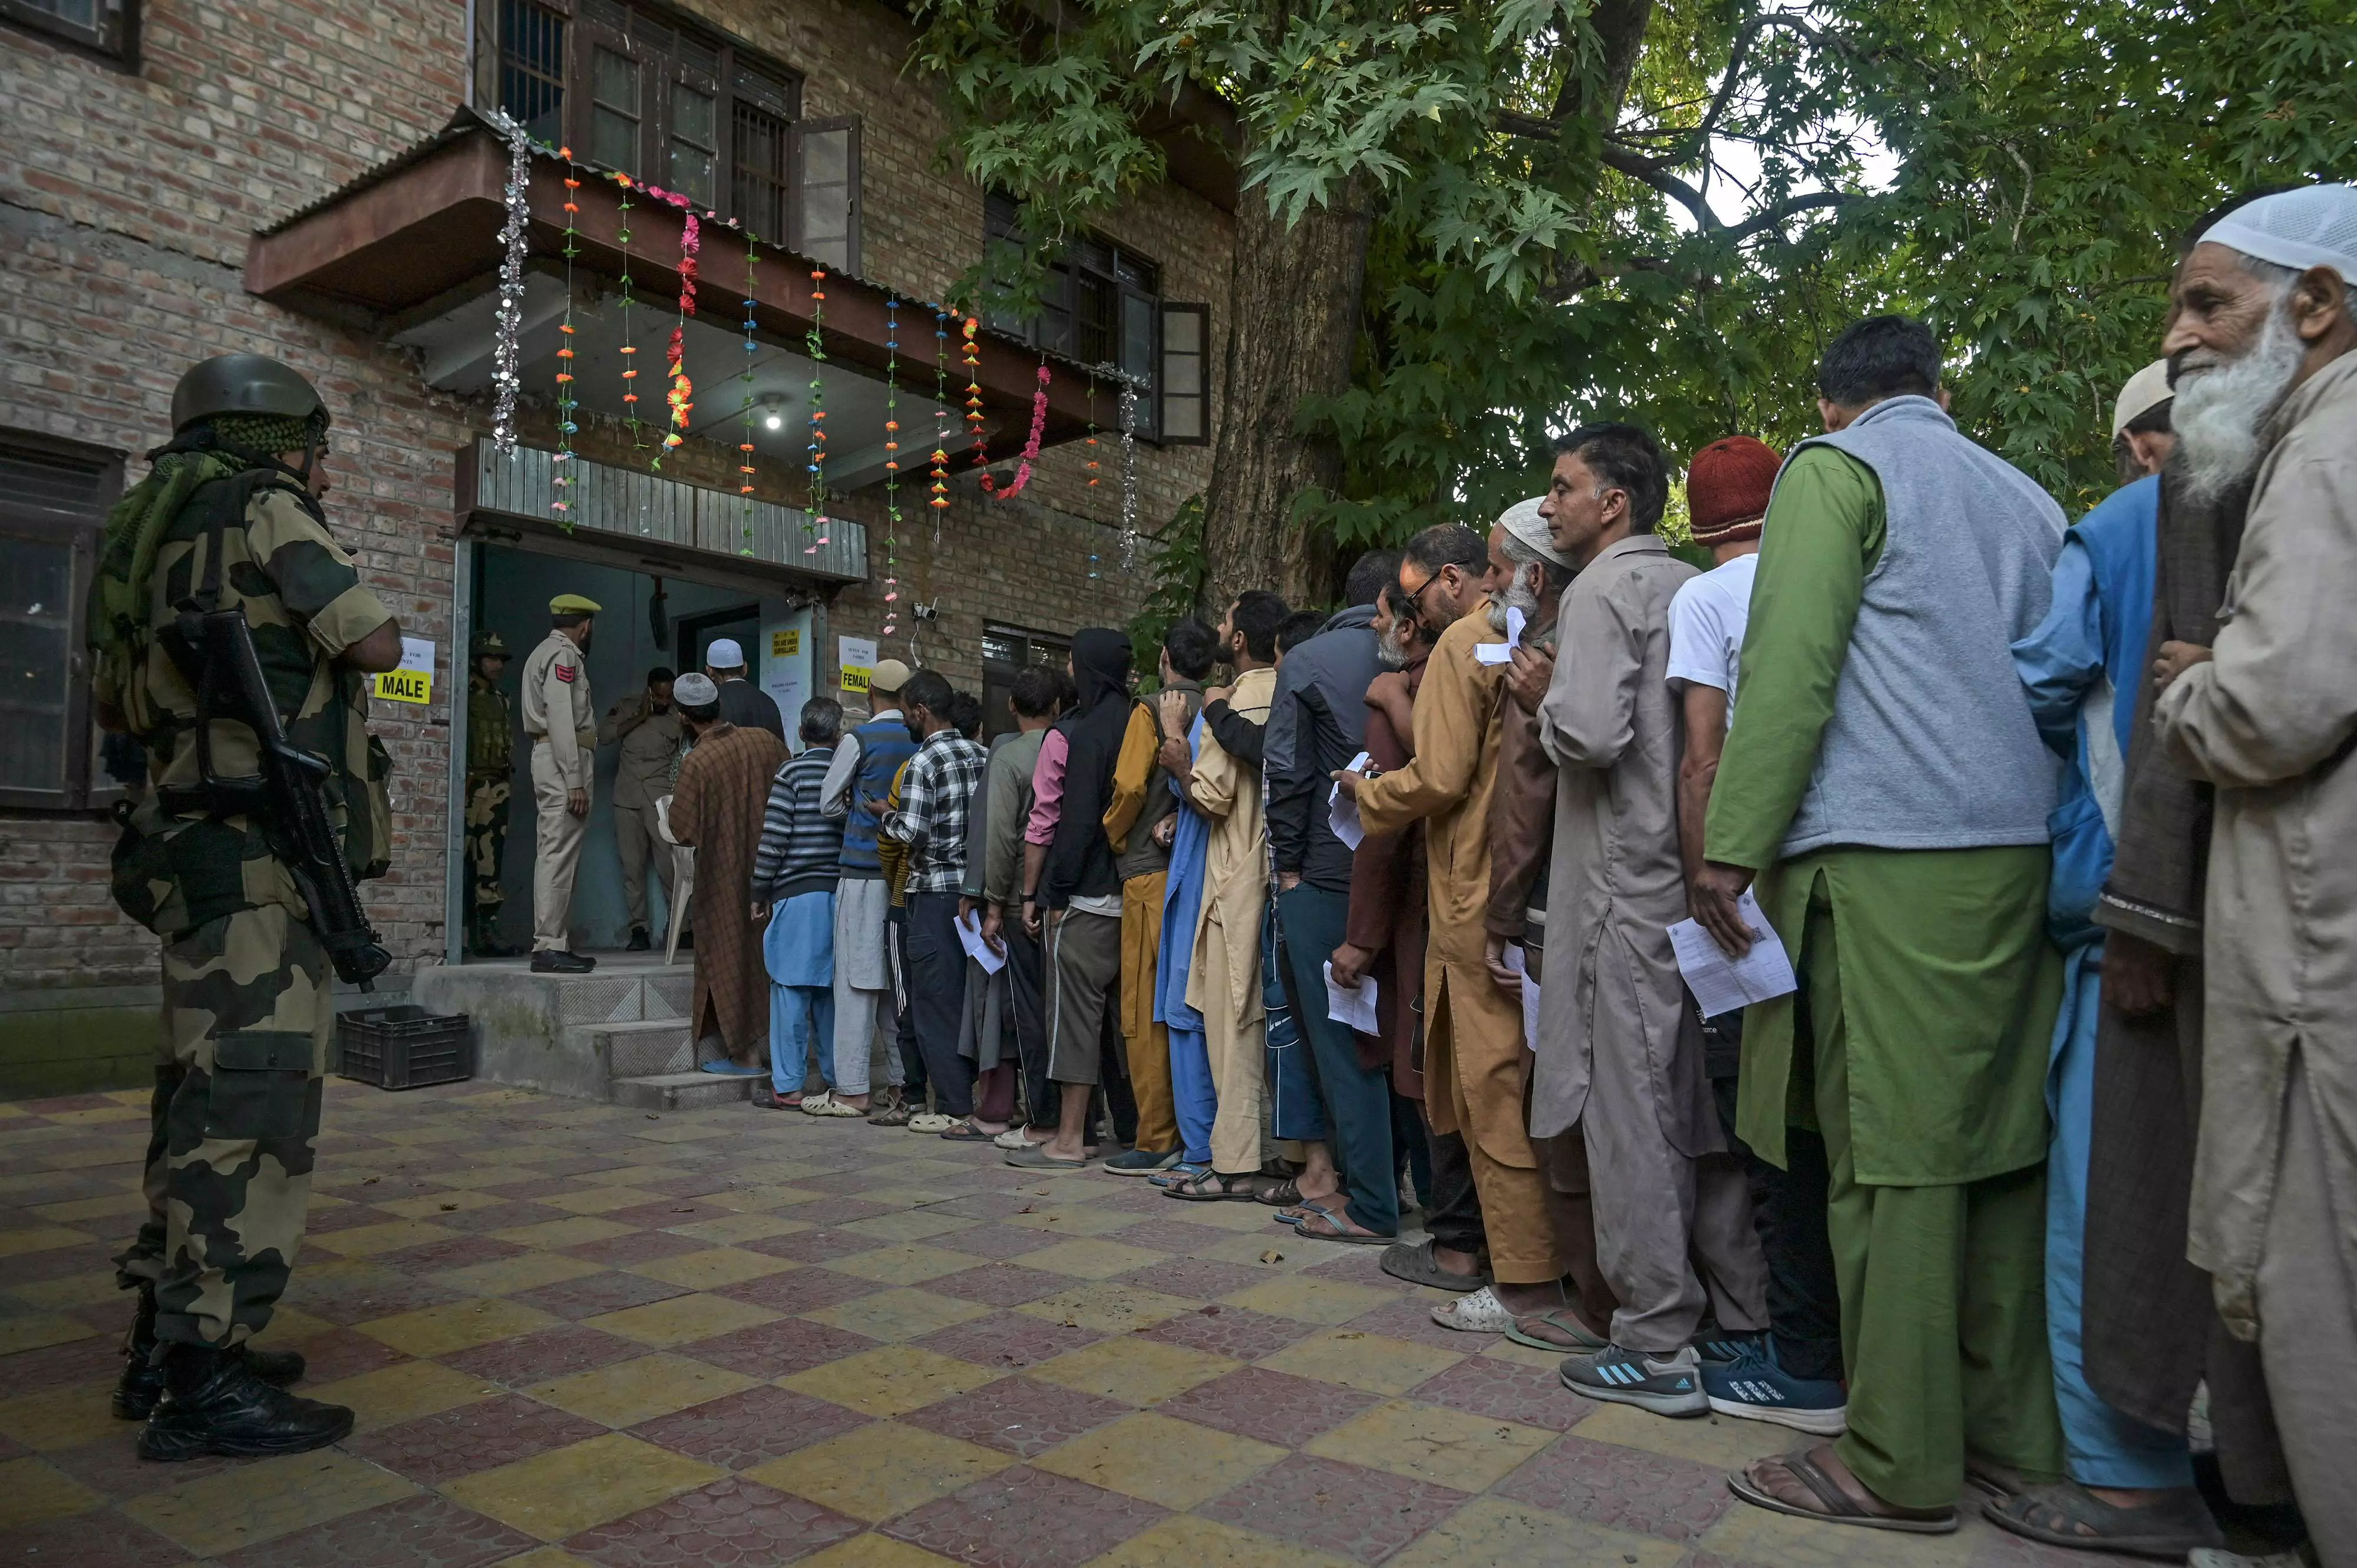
x,y
1522,520
2315,226
694,691
2146,390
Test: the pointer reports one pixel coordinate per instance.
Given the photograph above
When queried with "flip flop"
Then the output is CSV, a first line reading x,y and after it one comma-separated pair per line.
x,y
967,1132
1840,1506
1326,1226
1037,1158
1305,1208
2172,1528
1577,1340
1417,1265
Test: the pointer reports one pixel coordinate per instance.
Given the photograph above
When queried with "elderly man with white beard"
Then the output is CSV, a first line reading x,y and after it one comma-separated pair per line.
x,y
2262,350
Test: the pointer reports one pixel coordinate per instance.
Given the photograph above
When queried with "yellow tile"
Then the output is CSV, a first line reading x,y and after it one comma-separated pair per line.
x,y
551,1496
32,1330
485,1176
1505,1349
1134,1371
712,1267
402,1392
1277,1252
905,1265
1108,1308
1185,1540
506,1276
1427,1442
1174,1462
761,1199
578,1232
902,1314
599,1199
889,1381
681,1318
1492,1529
59,1418
630,1175
910,1198
288,1328
436,1203
1376,1362
859,1551
881,1470
71,1290
1309,1298
39,1239
1072,1219
627,1392
1057,1191
32,1490
908,1225
368,1240
113,1205
1089,1257
262,1499
1755,1535
457,1325
1257,1218
1720,1441
547,1557
730,1229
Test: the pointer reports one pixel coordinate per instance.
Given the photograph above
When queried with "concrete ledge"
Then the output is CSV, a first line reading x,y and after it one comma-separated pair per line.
x,y
544,1032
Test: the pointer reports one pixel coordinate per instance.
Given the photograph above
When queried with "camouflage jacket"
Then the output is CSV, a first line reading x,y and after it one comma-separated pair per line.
x,y
304,600
490,730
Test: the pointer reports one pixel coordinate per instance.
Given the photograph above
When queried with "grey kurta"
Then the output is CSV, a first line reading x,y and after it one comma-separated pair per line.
x,y
1615,885
2268,720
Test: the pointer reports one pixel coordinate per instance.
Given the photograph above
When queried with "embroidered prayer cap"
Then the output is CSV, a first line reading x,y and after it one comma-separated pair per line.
x,y
723,653
1523,521
1728,487
888,676
573,605
693,691
2146,390
2315,226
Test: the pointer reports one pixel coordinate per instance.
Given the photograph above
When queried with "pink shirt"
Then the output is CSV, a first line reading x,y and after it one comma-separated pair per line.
x,y
1048,789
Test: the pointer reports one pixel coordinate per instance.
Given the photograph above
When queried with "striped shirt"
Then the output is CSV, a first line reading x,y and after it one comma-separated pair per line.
x,y
801,847
935,796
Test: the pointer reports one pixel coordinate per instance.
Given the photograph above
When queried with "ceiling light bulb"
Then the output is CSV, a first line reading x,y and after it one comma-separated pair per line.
x,y
773,419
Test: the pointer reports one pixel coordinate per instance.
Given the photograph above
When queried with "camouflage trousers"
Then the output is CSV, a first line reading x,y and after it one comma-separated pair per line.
x,y
247,1003
487,839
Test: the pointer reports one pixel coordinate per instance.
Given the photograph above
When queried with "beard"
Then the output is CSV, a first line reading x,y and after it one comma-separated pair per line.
x,y
1517,595
1391,652
2221,409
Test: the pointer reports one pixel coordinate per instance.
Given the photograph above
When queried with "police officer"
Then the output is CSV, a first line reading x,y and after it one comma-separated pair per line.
x,y
491,767
647,729
247,997
563,725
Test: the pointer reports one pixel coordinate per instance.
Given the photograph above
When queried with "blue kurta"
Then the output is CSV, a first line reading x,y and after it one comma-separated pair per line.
x,y
1194,1101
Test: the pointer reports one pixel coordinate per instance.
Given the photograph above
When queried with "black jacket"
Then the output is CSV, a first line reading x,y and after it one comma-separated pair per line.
x,y
747,706
1079,857
1317,722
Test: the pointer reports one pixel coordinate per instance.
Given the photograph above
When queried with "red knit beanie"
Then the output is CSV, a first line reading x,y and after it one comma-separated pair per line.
x,y
1728,484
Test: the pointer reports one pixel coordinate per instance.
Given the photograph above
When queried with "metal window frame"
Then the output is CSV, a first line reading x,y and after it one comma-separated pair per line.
x,y
1202,314
115,38
76,791
796,163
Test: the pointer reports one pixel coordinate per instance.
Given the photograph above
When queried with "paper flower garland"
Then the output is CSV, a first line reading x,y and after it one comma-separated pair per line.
x,y
630,364
745,448
973,394
506,381
681,393
939,503
1030,444
816,344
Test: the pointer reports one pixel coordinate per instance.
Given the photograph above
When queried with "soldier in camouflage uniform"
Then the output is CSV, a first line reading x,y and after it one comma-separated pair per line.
x,y
247,986
490,770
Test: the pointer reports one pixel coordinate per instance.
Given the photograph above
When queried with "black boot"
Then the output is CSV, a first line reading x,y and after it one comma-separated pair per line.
x,y
548,962
142,1383
213,1403
640,941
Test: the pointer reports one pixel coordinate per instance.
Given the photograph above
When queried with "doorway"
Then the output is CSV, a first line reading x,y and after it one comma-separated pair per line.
x,y
696,632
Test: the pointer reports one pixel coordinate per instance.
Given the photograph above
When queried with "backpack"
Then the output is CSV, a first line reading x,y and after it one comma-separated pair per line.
x,y
119,621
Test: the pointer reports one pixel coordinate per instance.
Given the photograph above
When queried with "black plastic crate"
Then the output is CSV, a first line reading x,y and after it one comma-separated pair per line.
x,y
405,1047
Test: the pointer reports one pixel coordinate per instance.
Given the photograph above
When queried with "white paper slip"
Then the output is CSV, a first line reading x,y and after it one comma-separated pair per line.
x,y
969,931
1503,652
1722,984
1356,1008
1519,961
1342,810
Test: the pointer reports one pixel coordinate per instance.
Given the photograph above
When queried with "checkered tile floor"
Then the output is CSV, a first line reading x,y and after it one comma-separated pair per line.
x,y
576,1334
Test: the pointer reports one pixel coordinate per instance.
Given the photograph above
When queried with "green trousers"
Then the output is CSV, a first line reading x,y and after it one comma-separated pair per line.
x,y
1942,1296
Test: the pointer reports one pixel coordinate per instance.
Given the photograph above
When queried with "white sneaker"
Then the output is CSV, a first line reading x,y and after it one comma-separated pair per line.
x,y
931,1121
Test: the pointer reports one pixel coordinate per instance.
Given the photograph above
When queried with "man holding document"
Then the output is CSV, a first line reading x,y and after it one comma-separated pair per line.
x,y
1887,786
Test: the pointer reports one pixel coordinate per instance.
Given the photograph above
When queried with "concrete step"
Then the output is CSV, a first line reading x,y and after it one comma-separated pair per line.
x,y
548,1031
682,1090
650,1047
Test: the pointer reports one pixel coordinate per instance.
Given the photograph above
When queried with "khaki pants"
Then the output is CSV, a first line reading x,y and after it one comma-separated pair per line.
x,y
1238,1068
557,842
637,840
1146,1042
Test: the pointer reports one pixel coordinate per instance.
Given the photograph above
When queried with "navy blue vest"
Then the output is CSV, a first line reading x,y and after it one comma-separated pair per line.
x,y
884,745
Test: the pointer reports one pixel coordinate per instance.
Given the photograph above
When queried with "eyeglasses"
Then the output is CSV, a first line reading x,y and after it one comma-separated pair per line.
x,y
1416,596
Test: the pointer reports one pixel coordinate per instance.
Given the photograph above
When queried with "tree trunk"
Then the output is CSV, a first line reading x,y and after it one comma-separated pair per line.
x,y
1292,326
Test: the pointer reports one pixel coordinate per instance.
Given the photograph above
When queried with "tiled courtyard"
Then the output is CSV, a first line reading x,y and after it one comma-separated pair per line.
x,y
579,1335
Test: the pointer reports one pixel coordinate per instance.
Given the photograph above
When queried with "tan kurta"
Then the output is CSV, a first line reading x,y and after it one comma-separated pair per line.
x,y
1470,1029
643,772
724,785
2268,720
1236,863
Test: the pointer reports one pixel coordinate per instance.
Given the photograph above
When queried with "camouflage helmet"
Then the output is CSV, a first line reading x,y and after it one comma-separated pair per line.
x,y
248,385
488,645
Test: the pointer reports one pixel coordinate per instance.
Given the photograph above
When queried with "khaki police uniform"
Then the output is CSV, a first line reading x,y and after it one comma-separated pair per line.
x,y
649,746
563,725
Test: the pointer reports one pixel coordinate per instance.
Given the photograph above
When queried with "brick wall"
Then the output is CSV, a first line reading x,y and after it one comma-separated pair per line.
x,y
121,241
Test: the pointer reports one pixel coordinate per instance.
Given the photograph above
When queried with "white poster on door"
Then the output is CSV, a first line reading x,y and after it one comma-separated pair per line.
x,y
785,672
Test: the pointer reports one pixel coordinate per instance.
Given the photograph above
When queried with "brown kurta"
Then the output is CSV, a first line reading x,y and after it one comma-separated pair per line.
x,y
1387,896
715,809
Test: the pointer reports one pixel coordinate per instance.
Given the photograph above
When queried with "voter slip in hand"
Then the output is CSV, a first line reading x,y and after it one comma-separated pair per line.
x,y
1723,984
969,931
1342,810
1502,652
1356,1008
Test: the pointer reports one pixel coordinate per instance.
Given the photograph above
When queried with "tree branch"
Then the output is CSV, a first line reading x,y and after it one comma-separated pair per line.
x,y
1791,207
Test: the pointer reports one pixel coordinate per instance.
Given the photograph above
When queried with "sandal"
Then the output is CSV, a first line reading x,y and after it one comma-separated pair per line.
x,y
1037,1158
1308,1207
828,1105
1417,1265
1327,1225
1178,1175
1479,1313
1573,1338
2067,1514
1212,1187
1286,1194
965,1131
1839,1508
894,1113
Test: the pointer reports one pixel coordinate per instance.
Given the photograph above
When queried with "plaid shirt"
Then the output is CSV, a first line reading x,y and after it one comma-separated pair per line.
x,y
935,796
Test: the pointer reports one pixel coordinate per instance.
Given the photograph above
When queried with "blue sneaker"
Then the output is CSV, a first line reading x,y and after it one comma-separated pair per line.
x,y
1666,1385
1726,1346
1754,1388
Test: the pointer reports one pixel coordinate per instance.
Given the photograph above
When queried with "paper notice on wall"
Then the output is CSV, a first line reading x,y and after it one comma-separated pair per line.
x,y
1342,810
857,657
785,667
1723,984
411,680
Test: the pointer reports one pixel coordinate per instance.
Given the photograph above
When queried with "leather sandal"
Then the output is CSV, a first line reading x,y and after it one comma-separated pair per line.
x,y
2068,1515
1840,1507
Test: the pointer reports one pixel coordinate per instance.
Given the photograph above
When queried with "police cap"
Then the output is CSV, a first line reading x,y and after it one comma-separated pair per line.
x,y
488,645
573,605
244,384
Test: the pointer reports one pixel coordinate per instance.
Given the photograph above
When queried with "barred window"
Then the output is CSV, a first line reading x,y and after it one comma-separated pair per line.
x,y
107,27
53,497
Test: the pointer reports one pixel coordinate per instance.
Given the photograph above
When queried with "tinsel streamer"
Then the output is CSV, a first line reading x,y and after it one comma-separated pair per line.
x,y
816,344
940,501
680,393
745,462
1030,444
506,381
892,465
629,348
1092,430
567,427
974,420
1128,472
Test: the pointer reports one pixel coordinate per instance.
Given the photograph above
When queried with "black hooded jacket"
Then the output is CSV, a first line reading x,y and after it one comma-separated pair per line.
x,y
1080,862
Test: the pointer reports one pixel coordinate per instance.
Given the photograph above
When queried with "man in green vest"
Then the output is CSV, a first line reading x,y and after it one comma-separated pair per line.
x,y
490,770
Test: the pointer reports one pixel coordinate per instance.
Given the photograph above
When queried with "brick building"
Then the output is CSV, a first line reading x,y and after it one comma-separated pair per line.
x,y
322,184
